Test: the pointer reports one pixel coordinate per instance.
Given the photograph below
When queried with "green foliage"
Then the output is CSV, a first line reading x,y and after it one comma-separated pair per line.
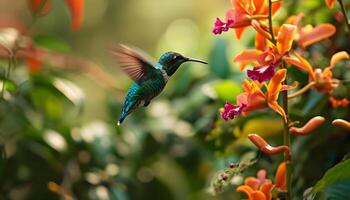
x,y
338,173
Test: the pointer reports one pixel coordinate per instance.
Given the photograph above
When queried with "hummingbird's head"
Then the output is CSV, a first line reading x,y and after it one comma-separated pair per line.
x,y
171,61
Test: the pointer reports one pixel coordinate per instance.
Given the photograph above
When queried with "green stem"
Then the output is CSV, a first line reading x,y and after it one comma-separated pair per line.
x,y
286,134
287,142
344,13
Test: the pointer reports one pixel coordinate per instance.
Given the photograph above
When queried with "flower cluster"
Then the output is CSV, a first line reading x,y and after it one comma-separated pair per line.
x,y
261,188
277,48
272,54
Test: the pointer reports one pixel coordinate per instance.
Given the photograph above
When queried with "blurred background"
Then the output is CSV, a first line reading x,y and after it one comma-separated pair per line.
x,y
58,133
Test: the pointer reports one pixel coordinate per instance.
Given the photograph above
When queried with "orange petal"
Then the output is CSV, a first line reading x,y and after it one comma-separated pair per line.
x,y
252,182
309,35
76,8
343,55
295,19
260,42
257,195
276,6
330,3
275,85
266,188
309,127
301,63
245,189
239,32
280,177
247,56
285,38
274,105
266,147
342,123
260,29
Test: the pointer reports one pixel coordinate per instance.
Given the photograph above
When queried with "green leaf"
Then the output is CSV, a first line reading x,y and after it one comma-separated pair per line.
x,y
52,43
338,191
227,90
339,172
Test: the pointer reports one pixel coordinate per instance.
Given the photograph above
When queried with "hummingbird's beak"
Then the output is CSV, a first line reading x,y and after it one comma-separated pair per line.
x,y
195,60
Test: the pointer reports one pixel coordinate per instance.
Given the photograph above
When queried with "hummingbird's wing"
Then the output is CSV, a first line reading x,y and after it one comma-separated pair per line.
x,y
133,62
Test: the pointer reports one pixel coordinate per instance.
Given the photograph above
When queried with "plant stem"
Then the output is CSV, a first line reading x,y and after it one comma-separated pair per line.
x,y
286,134
287,142
345,14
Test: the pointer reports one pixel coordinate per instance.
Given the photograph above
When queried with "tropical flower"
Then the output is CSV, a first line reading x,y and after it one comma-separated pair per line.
x,y
308,35
76,8
255,99
266,61
260,188
322,80
330,3
244,12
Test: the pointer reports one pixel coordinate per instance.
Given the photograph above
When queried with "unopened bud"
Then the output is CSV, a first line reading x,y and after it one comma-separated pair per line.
x,y
309,127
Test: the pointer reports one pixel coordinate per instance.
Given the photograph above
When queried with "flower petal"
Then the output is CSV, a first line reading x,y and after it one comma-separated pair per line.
x,y
257,195
274,105
295,19
280,177
245,189
343,55
76,8
266,188
247,56
252,182
285,38
262,74
330,3
260,42
230,111
275,85
301,63
311,35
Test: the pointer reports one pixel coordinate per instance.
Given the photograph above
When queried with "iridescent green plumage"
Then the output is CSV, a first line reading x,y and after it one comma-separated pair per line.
x,y
150,79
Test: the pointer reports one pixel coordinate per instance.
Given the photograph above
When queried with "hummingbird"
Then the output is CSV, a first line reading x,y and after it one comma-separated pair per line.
x,y
149,77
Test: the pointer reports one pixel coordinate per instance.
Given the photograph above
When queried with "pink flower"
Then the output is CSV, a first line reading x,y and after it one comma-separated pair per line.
x,y
230,111
221,26
262,73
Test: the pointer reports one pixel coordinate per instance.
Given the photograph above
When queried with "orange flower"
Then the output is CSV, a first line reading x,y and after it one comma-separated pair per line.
x,y
76,8
339,102
323,79
273,54
255,99
244,12
330,3
308,35
260,188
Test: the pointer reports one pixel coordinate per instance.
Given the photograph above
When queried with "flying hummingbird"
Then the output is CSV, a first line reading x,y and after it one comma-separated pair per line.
x,y
150,78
